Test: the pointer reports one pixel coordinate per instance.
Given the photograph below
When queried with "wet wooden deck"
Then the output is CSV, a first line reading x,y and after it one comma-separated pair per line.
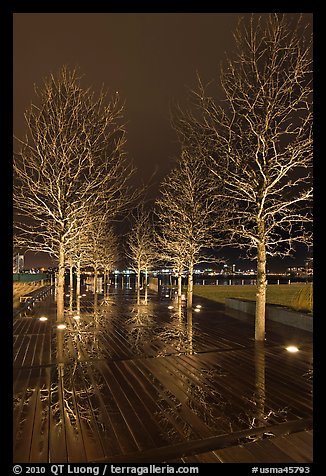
x,y
130,382
292,448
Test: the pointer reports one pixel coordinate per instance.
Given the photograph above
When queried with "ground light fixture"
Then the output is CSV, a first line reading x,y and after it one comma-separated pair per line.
x,y
198,306
76,317
197,309
61,326
43,318
292,349
170,307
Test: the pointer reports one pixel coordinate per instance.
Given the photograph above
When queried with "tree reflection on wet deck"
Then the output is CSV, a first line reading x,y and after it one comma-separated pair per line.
x,y
133,376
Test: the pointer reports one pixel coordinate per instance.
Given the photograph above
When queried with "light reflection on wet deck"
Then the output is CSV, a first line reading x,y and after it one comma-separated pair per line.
x,y
132,377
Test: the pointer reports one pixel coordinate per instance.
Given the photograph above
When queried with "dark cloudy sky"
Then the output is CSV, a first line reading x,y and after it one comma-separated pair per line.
x,y
150,58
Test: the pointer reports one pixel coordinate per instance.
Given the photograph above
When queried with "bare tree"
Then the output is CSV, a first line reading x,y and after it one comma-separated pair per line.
x,y
258,141
140,243
72,156
186,218
100,247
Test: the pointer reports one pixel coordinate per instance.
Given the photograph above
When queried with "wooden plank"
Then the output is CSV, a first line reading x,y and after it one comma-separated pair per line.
x,y
156,401
145,407
196,426
123,432
126,407
300,452
199,392
168,415
304,439
237,454
209,457
214,443
74,438
38,350
40,436
20,355
86,413
302,410
101,422
25,419
268,452
57,431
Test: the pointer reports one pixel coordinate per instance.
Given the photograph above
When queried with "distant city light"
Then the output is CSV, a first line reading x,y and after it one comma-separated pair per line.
x,y
167,295
292,348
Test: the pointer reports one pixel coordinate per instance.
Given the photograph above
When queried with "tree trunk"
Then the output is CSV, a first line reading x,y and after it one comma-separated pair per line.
x,y
138,278
71,285
95,280
61,284
78,295
104,282
189,331
190,285
179,285
260,382
71,277
78,281
261,293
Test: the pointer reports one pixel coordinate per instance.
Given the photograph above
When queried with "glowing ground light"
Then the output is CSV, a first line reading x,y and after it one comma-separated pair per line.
x,y
197,309
43,318
167,295
292,348
76,317
61,326
84,295
198,306
170,307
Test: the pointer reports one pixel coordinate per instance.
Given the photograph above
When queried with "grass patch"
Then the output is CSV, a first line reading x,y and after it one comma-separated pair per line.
x,y
294,296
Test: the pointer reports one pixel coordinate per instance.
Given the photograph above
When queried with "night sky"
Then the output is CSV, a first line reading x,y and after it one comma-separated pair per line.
x,y
150,58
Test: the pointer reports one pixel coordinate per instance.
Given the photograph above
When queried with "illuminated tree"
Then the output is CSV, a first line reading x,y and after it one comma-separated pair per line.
x,y
186,218
100,247
257,141
72,157
140,243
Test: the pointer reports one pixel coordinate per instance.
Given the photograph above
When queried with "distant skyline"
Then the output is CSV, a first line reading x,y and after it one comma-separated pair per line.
x,y
273,264
151,59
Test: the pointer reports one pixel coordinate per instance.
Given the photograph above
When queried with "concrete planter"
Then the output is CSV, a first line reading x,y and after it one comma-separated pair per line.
x,y
274,313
